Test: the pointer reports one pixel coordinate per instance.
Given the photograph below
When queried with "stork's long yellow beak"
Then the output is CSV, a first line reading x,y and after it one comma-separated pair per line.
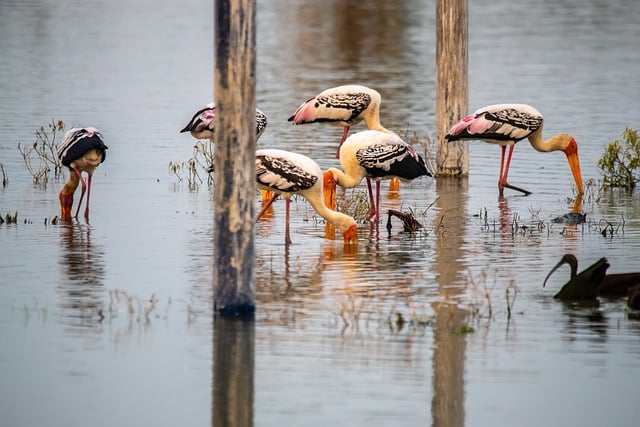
x,y
574,164
329,190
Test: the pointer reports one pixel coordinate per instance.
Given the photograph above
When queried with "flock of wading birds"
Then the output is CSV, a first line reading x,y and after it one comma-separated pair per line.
x,y
375,154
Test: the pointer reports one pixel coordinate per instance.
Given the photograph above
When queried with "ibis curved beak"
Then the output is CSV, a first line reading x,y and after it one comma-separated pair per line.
x,y
567,259
329,190
574,164
351,235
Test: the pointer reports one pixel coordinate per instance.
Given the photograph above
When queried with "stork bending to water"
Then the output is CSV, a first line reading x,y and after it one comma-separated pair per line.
x,y
286,173
505,125
374,155
81,150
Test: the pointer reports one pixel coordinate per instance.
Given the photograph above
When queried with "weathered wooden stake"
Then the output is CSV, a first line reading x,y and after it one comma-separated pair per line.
x,y
451,84
234,90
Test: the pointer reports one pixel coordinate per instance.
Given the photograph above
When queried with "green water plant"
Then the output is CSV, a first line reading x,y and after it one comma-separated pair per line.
x,y
620,163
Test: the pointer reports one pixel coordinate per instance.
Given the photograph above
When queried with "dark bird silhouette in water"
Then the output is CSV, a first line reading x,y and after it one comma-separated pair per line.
x,y
594,281
633,297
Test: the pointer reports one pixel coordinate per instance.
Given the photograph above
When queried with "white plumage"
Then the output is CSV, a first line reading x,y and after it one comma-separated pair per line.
x,y
373,155
342,106
81,150
286,173
505,125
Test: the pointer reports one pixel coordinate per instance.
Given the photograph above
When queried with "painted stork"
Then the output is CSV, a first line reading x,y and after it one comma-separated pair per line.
x,y
374,155
506,124
593,281
201,124
286,173
342,106
201,127
81,150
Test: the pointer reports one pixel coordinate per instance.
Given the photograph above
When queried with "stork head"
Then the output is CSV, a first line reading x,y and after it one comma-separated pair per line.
x,y
351,235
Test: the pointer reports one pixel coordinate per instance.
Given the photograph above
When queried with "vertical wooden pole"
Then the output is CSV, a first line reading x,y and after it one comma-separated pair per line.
x,y
234,89
451,84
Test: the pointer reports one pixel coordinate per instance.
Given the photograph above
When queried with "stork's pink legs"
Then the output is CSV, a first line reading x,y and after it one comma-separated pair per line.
x,y
504,173
374,204
344,136
86,187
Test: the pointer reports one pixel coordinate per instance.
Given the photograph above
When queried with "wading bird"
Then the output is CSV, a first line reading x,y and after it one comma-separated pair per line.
x,y
594,281
201,124
286,173
373,155
505,125
81,150
343,106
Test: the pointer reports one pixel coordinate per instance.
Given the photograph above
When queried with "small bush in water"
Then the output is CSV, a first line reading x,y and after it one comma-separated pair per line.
x,y
620,163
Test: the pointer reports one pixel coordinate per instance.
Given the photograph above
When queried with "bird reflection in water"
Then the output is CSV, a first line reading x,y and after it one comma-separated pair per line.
x,y
81,286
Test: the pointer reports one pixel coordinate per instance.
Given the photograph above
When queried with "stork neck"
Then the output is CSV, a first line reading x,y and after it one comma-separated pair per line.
x,y
337,219
71,184
555,143
344,180
372,119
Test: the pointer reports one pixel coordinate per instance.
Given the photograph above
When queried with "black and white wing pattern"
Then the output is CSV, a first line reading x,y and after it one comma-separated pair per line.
x,y
77,142
500,123
201,125
282,171
342,104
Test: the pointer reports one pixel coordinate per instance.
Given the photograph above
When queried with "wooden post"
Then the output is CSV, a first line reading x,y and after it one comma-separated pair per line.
x,y
235,142
451,84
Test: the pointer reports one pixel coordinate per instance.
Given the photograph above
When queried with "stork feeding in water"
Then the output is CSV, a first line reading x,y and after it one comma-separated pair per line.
x,y
373,155
81,150
505,125
344,106
286,173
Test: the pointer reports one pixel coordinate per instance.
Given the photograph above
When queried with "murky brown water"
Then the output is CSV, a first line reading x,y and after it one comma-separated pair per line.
x,y
110,323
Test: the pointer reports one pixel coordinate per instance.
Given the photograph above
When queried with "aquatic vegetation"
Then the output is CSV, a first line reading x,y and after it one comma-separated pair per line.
x,y
200,162
9,218
5,177
620,163
41,157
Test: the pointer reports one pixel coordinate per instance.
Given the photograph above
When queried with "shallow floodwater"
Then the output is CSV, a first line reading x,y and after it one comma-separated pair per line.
x,y
110,322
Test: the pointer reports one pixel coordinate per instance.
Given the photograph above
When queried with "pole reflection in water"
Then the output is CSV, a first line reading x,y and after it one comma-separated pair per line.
x,y
447,405
83,273
233,372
